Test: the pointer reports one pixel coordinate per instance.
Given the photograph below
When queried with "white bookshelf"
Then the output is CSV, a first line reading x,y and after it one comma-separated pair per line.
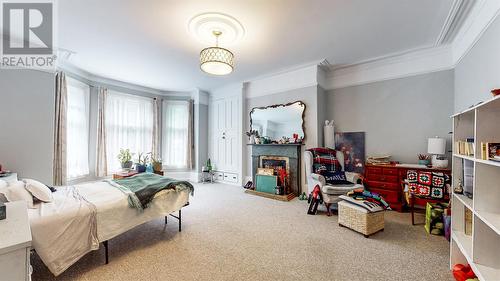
x,y
481,249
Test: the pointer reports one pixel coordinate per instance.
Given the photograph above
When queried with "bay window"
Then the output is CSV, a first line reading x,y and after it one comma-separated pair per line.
x,y
175,136
129,124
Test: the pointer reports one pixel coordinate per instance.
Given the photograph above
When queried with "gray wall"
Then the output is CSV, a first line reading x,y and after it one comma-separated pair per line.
x,y
478,72
397,115
27,123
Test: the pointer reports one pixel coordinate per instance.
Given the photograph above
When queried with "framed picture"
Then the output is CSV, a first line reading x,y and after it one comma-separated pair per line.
x,y
352,144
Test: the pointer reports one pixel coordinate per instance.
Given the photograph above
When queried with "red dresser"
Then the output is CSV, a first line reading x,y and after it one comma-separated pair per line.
x,y
386,180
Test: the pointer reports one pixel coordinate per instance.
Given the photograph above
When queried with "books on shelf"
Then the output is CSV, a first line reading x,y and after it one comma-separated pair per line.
x,y
490,151
468,176
465,147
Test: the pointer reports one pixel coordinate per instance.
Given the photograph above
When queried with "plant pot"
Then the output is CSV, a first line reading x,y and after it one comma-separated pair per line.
x,y
140,168
127,165
423,162
157,167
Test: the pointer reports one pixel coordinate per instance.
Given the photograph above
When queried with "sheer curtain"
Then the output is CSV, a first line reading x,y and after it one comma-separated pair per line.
x,y
77,130
175,140
129,124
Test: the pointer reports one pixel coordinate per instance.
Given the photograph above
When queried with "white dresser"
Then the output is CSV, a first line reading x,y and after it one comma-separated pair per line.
x,y
15,243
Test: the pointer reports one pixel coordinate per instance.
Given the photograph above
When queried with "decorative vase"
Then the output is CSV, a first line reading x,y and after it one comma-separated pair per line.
x,y
252,139
140,168
257,140
423,162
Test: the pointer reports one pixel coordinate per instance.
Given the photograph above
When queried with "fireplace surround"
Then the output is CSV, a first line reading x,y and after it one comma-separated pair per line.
x,y
276,154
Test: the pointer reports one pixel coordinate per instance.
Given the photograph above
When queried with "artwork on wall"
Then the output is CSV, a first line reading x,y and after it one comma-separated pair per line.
x,y
352,144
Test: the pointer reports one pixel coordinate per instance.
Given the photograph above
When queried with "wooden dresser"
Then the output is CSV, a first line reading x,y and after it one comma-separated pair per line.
x,y
386,180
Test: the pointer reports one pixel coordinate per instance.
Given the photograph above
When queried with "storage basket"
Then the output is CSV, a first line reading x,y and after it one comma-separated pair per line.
x,y
359,219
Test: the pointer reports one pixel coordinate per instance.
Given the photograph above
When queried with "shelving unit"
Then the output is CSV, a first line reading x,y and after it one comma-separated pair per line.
x,y
481,249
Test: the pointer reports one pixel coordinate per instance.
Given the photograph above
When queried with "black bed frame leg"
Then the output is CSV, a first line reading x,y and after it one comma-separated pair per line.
x,y
166,219
180,220
106,251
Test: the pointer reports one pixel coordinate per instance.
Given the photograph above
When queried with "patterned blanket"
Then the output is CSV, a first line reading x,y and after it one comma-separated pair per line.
x,y
324,160
428,184
142,188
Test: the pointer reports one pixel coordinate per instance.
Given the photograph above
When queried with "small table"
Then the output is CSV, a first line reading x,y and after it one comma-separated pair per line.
x,y
122,175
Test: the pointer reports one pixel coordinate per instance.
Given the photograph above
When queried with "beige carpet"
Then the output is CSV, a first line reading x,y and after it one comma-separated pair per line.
x,y
230,235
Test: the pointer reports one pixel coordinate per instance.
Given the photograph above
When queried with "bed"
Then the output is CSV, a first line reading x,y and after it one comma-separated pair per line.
x,y
83,216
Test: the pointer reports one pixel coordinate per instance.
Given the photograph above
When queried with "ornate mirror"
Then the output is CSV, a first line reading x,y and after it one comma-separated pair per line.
x,y
279,120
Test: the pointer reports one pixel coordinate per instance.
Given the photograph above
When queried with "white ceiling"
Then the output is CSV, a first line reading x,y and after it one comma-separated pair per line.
x,y
147,42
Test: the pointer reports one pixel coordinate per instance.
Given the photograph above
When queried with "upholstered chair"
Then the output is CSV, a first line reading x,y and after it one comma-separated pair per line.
x,y
330,192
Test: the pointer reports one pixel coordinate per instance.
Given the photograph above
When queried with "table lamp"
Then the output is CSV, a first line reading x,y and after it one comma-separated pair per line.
x,y
437,146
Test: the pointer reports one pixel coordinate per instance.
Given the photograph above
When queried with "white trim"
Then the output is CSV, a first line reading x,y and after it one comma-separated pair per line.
x,y
96,80
392,67
282,82
473,20
481,16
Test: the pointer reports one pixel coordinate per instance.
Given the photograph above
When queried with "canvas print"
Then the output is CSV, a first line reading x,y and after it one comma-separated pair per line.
x,y
353,146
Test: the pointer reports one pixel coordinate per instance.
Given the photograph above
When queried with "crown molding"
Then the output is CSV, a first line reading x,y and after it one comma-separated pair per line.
x,y
95,80
283,81
391,67
464,26
482,14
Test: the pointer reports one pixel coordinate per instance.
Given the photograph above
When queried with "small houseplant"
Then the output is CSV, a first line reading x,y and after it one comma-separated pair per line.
x,y
142,162
125,158
252,134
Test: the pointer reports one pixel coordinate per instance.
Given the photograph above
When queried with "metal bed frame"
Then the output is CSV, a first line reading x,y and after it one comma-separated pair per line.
x,y
178,217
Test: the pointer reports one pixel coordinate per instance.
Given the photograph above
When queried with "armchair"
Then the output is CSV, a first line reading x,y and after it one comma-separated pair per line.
x,y
331,193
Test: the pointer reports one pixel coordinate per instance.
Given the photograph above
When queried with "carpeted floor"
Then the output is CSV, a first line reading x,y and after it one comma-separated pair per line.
x,y
230,235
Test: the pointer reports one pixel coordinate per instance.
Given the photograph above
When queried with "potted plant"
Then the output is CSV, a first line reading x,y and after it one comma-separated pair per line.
x,y
157,164
252,134
125,158
142,162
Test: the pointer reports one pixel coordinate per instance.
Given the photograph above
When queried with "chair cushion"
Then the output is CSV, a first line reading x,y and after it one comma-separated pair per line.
x,y
340,189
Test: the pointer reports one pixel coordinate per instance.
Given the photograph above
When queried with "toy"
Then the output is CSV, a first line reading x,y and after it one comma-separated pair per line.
x,y
463,272
315,198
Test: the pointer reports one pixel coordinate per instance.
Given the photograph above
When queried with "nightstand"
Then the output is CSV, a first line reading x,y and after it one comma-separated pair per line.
x,y
15,243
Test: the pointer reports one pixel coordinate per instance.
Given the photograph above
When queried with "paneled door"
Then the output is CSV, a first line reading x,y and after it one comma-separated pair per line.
x,y
224,133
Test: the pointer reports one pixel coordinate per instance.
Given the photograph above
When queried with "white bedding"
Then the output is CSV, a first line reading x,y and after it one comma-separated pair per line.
x,y
60,247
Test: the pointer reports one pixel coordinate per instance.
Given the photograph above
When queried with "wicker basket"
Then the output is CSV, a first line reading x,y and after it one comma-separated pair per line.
x,y
359,219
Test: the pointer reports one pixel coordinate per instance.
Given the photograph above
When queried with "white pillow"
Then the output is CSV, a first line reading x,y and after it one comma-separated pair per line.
x,y
3,184
38,190
16,192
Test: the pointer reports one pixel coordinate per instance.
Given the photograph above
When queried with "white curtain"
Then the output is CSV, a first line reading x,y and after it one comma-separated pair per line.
x,y
175,148
77,130
129,124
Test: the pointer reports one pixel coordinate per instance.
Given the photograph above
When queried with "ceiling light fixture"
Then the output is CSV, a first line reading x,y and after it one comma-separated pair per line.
x,y
216,60
227,30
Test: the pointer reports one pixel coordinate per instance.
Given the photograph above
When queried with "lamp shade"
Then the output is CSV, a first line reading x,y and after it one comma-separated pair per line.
x,y
216,61
436,145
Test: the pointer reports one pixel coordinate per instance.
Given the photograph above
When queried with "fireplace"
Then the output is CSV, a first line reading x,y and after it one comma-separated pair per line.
x,y
285,157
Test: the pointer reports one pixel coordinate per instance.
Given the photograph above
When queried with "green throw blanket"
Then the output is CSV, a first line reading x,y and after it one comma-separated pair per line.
x,y
142,188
